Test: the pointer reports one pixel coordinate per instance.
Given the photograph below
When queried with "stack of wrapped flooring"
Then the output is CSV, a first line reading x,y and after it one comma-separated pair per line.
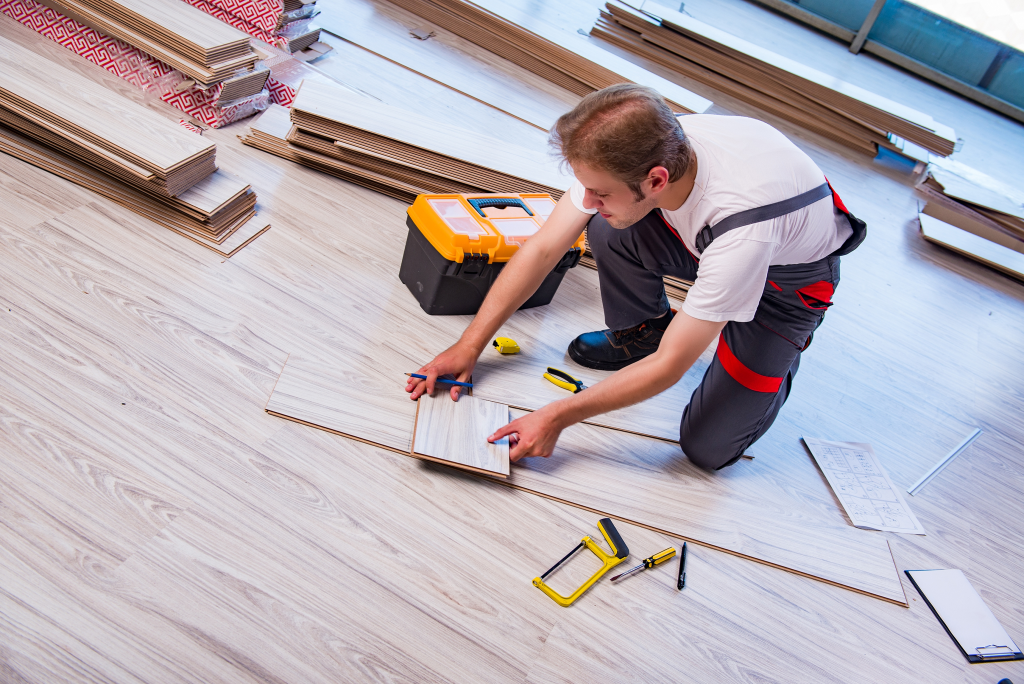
x,y
396,152
285,25
814,100
177,34
60,119
564,58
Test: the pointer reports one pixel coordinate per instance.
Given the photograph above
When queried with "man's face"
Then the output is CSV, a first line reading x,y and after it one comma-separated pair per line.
x,y
613,198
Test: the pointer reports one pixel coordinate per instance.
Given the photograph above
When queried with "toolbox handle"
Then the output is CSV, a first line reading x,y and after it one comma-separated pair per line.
x,y
480,203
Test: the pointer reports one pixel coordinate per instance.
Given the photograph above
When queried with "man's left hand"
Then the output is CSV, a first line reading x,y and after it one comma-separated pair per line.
x,y
535,434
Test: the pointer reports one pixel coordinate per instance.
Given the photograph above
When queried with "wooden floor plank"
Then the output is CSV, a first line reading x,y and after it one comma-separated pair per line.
x,y
629,477
455,433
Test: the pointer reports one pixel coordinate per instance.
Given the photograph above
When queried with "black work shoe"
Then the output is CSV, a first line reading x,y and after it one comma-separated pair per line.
x,y
615,349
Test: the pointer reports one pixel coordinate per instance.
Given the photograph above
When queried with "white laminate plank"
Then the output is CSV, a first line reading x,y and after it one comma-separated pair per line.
x,y
973,246
334,103
349,396
744,512
456,433
518,380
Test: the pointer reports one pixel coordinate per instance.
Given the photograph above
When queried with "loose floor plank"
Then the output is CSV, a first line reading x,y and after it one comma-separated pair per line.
x,y
455,433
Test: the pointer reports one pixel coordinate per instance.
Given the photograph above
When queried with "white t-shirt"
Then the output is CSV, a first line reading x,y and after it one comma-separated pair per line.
x,y
742,164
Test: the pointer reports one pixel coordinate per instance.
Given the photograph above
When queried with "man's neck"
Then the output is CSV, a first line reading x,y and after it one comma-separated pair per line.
x,y
676,194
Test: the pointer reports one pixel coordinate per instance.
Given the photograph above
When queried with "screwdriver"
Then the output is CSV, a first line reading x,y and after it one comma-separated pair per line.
x,y
656,559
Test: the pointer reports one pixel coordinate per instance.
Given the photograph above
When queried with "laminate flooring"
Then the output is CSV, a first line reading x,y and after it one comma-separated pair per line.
x,y
158,525
517,379
626,476
384,29
455,433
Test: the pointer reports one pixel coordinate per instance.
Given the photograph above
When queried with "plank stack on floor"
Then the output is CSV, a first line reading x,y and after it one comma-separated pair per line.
x,y
953,187
821,103
561,57
60,119
177,34
974,214
284,25
390,150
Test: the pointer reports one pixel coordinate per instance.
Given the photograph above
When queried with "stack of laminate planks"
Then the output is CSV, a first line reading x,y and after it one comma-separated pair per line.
x,y
177,34
286,25
974,214
60,117
821,103
394,151
976,196
561,57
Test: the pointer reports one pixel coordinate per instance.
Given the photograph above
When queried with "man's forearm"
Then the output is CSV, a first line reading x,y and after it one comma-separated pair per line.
x,y
631,385
517,281
682,344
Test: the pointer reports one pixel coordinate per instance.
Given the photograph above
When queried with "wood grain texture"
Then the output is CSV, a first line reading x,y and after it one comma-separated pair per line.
x,y
708,53
455,433
548,50
644,481
356,397
650,483
518,380
336,107
303,556
141,137
971,246
383,28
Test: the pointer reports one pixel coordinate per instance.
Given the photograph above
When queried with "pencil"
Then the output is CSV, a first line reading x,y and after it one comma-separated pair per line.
x,y
444,380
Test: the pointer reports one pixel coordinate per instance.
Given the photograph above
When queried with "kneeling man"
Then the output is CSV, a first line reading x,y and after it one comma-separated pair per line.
x,y
727,202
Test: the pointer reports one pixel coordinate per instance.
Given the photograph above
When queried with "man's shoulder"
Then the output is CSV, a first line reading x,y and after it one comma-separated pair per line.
x,y
724,124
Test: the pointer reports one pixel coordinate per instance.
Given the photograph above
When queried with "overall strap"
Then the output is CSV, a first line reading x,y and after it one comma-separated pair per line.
x,y
708,234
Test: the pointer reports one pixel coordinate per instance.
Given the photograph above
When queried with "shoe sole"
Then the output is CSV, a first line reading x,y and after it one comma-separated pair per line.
x,y
600,365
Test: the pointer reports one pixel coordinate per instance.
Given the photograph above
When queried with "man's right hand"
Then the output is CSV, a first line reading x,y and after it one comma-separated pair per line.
x,y
458,360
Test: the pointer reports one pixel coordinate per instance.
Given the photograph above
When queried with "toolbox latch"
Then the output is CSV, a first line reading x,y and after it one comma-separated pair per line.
x,y
473,264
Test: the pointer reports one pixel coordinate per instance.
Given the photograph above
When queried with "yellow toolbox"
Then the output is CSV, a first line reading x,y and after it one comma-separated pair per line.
x,y
458,244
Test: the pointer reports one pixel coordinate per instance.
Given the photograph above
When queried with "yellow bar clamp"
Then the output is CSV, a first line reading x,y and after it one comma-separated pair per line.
x,y
619,553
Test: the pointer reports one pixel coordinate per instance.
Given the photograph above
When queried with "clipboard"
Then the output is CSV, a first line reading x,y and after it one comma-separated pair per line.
x,y
964,615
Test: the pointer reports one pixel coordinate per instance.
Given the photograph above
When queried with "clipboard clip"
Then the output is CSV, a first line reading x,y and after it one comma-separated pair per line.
x,y
994,652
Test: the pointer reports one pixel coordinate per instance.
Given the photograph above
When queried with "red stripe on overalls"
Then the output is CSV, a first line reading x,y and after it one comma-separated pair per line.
x,y
743,375
836,200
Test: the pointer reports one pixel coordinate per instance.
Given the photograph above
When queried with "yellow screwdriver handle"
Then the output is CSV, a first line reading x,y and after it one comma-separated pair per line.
x,y
659,557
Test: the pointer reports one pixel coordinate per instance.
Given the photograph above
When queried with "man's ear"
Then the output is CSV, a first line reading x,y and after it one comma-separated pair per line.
x,y
658,178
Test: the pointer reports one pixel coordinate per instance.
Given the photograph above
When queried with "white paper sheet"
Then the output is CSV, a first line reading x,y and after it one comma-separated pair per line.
x,y
863,487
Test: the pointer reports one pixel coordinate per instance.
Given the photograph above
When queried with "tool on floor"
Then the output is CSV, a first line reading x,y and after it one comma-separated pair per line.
x,y
444,380
681,580
649,562
564,380
505,345
619,553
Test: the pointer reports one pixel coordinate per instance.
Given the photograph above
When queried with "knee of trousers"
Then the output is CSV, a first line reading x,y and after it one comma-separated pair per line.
x,y
707,448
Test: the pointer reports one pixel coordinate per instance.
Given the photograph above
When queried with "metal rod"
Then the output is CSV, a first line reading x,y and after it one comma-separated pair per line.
x,y
938,467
